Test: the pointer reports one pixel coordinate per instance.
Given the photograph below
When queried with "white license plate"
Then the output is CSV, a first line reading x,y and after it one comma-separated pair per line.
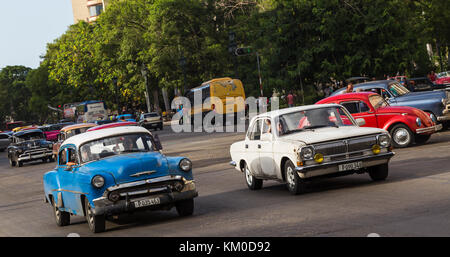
x,y
350,166
147,202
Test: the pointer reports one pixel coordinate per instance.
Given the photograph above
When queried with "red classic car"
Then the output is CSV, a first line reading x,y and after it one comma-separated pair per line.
x,y
443,78
405,124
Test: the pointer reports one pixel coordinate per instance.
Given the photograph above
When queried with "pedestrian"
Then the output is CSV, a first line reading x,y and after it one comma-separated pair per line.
x,y
349,87
290,99
432,76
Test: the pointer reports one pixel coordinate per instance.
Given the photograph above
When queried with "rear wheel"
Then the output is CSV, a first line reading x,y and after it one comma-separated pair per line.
x,y
401,136
12,163
62,218
185,207
96,222
252,182
421,139
295,184
379,172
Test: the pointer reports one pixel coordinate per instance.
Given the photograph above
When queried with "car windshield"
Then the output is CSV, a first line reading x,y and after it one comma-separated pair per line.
x,y
377,101
30,136
121,144
312,119
397,89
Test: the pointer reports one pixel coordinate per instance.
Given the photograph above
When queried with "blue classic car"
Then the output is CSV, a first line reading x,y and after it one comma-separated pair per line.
x,y
125,117
117,170
433,102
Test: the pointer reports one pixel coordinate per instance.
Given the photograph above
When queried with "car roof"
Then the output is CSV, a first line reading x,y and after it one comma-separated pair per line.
x,y
357,95
23,132
77,126
82,138
273,114
113,125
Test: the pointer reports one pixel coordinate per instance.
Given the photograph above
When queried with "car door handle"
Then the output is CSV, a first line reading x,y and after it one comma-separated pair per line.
x,y
259,146
246,146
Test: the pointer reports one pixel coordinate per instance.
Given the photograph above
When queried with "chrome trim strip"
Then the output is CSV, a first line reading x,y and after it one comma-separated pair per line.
x,y
143,182
70,191
143,173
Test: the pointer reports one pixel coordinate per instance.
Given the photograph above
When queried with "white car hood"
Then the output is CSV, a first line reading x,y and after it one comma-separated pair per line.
x,y
329,134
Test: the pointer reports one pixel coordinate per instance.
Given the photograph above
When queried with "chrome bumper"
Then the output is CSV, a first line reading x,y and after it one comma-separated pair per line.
x,y
31,156
333,167
429,129
445,114
103,205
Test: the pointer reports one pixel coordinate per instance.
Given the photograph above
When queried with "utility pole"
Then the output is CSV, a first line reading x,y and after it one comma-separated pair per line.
x,y
144,72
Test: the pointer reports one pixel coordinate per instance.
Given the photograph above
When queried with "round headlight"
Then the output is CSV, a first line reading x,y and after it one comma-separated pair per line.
x,y
318,157
433,118
307,153
376,149
418,122
185,164
98,181
384,140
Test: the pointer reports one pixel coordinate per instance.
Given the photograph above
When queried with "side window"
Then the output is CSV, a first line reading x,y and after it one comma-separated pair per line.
x,y
72,154
255,131
267,127
363,107
352,107
62,157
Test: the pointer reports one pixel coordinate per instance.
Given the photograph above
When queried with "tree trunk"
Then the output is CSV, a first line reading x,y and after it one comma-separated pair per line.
x,y
156,100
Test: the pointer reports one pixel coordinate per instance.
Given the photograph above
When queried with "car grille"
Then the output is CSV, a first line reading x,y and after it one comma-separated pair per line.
x,y
34,152
351,147
147,189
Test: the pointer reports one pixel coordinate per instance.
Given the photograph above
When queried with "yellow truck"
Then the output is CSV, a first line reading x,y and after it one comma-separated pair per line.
x,y
225,96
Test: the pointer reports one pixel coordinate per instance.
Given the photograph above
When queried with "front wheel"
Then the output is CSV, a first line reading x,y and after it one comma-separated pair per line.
x,y
62,218
252,182
11,162
401,136
379,172
295,184
422,139
185,207
96,222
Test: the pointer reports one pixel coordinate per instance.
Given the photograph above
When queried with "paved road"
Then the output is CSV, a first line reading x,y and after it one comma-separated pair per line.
x,y
414,201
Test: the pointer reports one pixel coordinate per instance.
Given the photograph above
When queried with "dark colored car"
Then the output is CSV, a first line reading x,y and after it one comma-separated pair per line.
x,y
422,84
29,145
435,102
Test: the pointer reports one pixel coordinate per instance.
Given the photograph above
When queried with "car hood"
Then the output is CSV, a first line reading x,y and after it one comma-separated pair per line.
x,y
126,167
428,95
330,134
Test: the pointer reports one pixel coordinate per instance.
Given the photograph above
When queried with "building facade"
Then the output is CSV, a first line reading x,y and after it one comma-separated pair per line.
x,y
87,10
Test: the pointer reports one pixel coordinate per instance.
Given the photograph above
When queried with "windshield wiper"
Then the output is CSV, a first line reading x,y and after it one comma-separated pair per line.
x,y
292,131
322,126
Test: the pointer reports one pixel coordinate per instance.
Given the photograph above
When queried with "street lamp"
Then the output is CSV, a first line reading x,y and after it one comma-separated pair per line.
x,y
144,72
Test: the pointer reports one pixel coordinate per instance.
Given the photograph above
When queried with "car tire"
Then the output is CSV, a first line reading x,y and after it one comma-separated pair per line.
x,y
401,136
422,139
161,127
294,183
44,160
62,218
185,207
11,162
19,163
252,182
97,223
379,172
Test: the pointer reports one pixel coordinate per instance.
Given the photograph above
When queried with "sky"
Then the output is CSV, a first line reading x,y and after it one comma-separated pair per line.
x,y
26,26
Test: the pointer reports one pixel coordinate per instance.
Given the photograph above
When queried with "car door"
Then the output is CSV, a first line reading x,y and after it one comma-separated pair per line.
x,y
265,148
360,109
66,190
251,147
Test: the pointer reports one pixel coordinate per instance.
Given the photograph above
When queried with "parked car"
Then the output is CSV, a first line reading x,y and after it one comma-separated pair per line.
x,y
114,124
406,125
69,131
423,84
151,120
125,117
443,78
117,170
435,102
5,140
29,145
298,144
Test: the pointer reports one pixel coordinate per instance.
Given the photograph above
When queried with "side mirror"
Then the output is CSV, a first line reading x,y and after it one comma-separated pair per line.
x,y
157,143
69,166
361,122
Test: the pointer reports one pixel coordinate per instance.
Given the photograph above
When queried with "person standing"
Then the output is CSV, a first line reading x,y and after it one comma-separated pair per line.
x,y
349,88
290,99
432,76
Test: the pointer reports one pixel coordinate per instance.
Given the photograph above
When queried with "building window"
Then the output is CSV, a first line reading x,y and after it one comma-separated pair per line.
x,y
95,10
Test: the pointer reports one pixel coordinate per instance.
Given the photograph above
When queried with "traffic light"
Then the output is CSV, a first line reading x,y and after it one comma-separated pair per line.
x,y
243,51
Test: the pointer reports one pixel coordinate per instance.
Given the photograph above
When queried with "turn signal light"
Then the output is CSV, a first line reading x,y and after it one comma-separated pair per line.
x,y
376,149
318,157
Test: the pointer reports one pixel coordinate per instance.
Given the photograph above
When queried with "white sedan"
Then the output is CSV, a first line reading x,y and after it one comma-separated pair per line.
x,y
294,145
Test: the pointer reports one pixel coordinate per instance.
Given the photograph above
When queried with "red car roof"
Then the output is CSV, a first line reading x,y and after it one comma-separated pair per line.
x,y
358,95
113,125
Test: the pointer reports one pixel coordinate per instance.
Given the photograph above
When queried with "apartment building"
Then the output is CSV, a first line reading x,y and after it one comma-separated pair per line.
x,y
87,10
